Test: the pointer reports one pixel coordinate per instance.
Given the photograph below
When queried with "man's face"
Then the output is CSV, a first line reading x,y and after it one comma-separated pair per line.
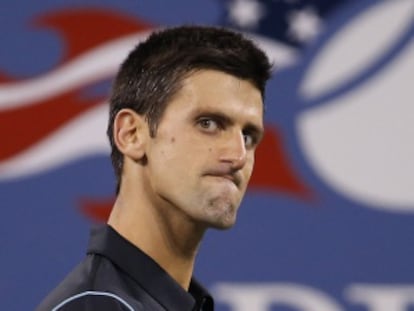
x,y
202,156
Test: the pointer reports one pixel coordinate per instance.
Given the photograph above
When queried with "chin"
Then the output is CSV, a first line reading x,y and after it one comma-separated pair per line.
x,y
221,216
222,225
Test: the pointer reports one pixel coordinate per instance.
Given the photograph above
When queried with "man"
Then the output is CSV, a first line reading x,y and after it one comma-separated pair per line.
x,y
186,116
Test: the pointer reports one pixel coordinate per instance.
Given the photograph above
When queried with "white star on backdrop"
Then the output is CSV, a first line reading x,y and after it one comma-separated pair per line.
x,y
304,25
246,13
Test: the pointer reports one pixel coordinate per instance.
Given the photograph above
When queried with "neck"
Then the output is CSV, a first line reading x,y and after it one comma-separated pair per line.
x,y
168,237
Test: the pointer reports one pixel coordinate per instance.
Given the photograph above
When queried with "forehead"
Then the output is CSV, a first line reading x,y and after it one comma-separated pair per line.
x,y
217,91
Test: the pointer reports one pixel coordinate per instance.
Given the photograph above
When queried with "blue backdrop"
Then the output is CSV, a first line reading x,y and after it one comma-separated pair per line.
x,y
327,224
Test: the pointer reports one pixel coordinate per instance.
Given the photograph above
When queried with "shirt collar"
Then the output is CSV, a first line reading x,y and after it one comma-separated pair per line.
x,y
145,271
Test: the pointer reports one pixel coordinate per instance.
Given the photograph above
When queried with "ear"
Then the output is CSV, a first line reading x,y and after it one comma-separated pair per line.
x,y
130,134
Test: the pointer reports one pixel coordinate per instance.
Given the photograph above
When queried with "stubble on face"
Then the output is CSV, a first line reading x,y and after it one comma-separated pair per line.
x,y
221,211
221,198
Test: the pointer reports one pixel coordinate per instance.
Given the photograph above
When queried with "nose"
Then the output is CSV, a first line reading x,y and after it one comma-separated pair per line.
x,y
234,151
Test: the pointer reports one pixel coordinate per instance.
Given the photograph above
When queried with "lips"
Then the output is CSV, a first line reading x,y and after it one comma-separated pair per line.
x,y
226,175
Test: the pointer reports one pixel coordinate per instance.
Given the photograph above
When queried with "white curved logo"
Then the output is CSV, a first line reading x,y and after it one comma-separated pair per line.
x,y
361,141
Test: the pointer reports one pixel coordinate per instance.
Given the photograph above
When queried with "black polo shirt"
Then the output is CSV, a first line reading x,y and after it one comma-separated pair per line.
x,y
116,275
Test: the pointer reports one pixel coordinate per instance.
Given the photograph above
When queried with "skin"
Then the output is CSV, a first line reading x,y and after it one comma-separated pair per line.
x,y
193,174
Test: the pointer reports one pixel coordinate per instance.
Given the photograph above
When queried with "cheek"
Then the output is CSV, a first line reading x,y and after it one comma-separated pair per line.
x,y
181,155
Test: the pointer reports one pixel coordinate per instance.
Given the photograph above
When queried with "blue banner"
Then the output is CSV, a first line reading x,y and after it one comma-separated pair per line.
x,y
328,221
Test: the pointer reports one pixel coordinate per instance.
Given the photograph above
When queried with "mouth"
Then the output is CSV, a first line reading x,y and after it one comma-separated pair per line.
x,y
229,177
233,178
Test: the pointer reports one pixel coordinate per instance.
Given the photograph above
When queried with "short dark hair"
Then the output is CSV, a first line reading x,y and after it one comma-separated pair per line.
x,y
153,72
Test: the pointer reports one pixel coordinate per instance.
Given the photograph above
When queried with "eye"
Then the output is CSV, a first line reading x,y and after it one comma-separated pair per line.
x,y
248,140
208,124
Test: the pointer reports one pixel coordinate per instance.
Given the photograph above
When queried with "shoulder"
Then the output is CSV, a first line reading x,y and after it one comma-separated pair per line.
x,y
92,300
93,285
